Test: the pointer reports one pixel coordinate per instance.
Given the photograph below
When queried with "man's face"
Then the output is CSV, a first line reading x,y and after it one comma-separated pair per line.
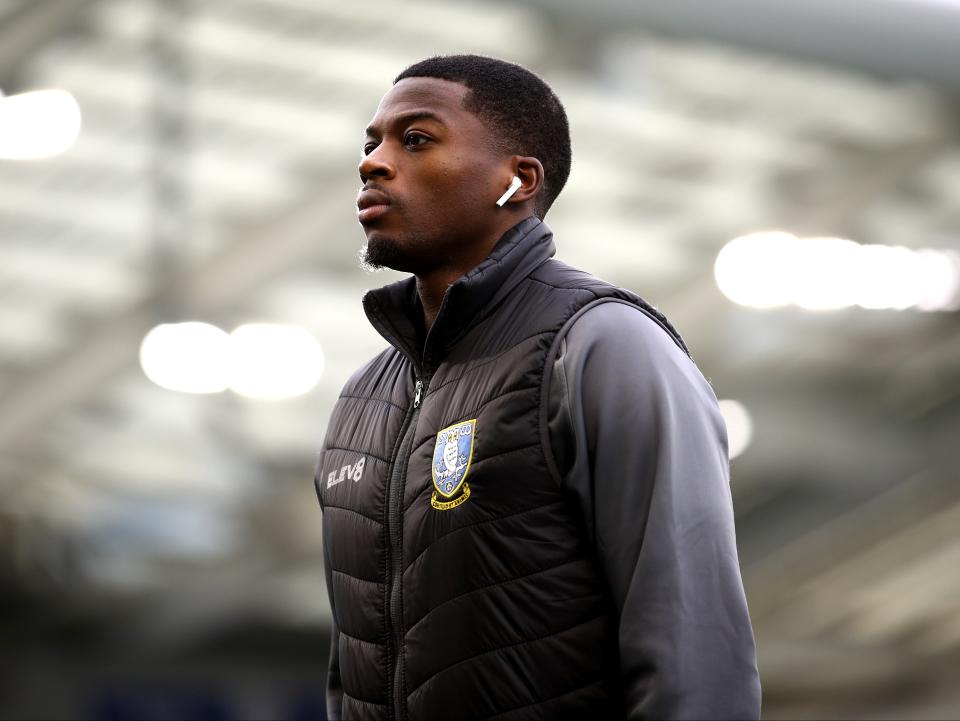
x,y
431,177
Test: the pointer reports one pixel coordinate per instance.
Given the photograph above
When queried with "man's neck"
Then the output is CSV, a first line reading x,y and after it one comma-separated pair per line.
x,y
432,286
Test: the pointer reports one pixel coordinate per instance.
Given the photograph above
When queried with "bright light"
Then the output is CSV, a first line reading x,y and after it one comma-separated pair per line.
x,y
258,360
773,269
38,124
941,276
739,426
750,269
273,361
187,357
818,276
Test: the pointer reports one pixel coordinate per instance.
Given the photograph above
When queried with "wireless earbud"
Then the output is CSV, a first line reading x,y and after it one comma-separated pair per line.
x,y
514,187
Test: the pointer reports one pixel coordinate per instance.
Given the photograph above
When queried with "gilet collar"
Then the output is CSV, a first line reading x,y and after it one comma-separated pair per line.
x,y
393,308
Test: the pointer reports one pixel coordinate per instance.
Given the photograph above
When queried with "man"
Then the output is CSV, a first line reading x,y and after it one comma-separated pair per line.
x,y
525,497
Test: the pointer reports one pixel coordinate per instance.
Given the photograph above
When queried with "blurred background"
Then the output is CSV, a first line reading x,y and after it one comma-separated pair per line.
x,y
180,304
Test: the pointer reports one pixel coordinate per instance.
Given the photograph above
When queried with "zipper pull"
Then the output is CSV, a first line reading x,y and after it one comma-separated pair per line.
x,y
418,393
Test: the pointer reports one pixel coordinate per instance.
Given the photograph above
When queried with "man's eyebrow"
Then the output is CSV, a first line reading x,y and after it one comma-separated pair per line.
x,y
408,117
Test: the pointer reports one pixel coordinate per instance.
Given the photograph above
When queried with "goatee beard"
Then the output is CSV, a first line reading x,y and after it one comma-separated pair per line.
x,y
381,253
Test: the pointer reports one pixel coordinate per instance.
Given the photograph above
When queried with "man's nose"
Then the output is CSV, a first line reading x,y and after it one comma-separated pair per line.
x,y
376,164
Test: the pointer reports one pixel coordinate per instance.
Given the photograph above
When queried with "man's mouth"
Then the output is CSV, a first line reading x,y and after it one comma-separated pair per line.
x,y
371,205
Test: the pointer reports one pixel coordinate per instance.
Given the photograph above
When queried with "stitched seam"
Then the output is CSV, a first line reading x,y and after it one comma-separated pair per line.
x,y
647,308
361,640
356,450
474,413
538,401
375,400
365,703
543,404
480,523
552,374
362,580
490,360
359,578
356,578
499,649
506,453
574,289
545,700
350,510
495,584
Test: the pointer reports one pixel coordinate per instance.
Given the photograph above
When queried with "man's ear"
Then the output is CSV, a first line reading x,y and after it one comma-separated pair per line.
x,y
530,172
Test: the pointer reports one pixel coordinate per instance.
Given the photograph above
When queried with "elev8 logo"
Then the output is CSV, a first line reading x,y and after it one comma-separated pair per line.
x,y
353,472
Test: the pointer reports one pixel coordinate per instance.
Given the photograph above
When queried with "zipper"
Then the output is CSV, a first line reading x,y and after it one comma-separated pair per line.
x,y
395,545
394,527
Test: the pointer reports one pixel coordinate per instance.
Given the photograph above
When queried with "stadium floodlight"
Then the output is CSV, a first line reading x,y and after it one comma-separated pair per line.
x,y
258,360
38,124
189,357
772,269
273,361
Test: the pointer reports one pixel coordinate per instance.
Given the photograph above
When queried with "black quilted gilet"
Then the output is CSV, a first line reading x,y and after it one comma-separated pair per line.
x,y
488,603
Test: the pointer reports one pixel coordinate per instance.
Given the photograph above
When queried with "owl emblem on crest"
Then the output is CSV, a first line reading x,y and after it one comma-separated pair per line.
x,y
452,455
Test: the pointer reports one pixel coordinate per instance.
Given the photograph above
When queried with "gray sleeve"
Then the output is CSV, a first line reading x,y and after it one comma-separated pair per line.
x,y
641,446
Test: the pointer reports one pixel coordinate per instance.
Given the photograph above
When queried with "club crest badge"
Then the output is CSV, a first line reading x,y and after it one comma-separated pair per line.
x,y
452,455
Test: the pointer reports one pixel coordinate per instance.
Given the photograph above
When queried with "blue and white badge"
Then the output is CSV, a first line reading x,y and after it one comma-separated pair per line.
x,y
451,461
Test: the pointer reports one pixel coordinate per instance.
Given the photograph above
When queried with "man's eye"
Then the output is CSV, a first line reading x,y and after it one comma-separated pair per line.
x,y
369,148
415,139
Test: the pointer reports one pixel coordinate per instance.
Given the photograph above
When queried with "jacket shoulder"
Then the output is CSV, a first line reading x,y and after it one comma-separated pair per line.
x,y
558,274
564,277
377,378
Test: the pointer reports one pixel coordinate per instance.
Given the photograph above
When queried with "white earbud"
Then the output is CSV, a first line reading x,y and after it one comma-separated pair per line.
x,y
514,187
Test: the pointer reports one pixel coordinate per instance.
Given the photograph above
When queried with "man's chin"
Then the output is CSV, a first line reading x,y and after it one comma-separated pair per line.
x,y
383,252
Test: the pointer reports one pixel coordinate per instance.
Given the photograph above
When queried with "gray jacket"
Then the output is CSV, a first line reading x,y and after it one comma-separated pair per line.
x,y
639,441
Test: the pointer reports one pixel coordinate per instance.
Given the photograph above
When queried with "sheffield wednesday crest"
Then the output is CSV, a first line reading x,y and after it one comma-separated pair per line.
x,y
452,455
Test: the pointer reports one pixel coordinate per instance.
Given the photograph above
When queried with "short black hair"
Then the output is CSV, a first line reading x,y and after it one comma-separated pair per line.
x,y
525,114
